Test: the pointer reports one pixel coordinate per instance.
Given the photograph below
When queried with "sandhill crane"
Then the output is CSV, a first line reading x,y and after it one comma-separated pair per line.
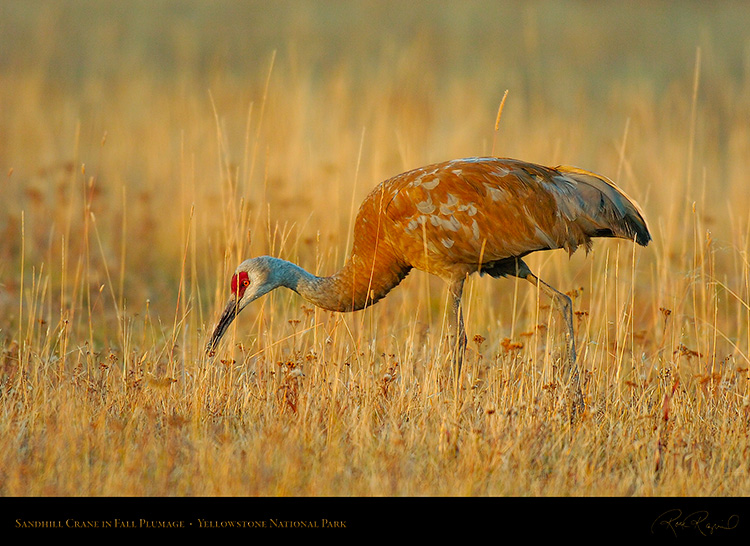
x,y
452,219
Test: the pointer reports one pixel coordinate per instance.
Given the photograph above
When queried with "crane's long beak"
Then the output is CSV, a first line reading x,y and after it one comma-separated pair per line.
x,y
230,313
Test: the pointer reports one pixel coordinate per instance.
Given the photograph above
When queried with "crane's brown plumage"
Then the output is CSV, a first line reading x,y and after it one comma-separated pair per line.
x,y
452,219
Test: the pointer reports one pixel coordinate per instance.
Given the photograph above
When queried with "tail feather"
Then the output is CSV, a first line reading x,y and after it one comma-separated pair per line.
x,y
611,213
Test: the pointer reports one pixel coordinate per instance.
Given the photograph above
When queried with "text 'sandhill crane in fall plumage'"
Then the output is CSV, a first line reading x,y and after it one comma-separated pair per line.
x,y
453,219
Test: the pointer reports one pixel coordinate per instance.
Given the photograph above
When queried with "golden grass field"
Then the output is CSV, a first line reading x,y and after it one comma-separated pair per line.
x,y
147,148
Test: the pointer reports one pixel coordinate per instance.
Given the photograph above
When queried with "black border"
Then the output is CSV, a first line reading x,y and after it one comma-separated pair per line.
x,y
673,518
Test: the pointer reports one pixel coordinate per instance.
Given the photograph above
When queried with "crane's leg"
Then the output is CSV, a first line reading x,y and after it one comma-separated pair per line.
x,y
457,333
565,306
518,268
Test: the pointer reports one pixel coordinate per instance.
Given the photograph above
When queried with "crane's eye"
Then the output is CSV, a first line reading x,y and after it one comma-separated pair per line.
x,y
240,282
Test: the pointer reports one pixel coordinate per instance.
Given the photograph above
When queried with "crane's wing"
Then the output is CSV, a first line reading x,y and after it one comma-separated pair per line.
x,y
475,211
607,205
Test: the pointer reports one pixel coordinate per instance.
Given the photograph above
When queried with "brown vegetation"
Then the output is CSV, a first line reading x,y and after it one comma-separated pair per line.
x,y
146,152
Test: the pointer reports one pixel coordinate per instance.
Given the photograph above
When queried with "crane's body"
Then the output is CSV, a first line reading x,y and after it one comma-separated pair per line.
x,y
452,219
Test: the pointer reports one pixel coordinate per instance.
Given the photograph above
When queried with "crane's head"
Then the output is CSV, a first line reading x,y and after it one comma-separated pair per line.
x,y
252,279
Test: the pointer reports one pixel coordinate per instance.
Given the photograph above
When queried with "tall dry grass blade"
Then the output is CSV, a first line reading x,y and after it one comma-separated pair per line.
x,y
353,204
693,117
497,120
664,428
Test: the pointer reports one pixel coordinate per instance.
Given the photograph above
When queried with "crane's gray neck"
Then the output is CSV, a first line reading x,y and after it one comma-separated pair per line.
x,y
320,291
355,286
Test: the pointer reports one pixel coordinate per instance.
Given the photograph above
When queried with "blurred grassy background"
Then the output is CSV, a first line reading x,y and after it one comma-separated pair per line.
x,y
423,80
200,133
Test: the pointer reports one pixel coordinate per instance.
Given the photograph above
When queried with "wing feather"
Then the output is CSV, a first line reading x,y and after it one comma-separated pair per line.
x,y
448,218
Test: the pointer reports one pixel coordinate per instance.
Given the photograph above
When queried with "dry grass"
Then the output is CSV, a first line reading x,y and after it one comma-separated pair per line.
x,y
145,152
